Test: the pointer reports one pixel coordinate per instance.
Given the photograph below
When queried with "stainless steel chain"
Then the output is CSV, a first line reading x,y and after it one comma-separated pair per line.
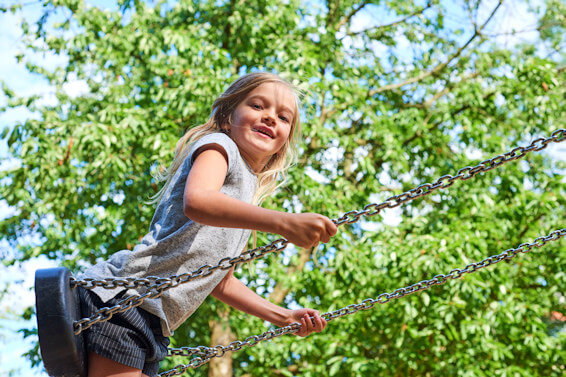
x,y
205,354
445,181
156,285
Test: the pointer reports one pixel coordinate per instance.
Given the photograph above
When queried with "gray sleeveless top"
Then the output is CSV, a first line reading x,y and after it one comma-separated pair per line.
x,y
176,244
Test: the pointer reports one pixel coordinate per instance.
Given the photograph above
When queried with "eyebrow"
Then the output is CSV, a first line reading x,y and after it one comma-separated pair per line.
x,y
266,100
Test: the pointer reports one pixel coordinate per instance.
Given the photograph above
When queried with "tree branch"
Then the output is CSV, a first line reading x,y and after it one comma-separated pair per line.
x,y
280,291
348,17
434,126
528,226
441,93
395,23
436,70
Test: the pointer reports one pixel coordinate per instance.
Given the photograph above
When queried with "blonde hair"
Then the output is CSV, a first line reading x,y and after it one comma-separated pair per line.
x,y
222,110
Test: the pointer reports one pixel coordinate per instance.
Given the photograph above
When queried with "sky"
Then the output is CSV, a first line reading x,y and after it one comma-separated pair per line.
x,y
18,280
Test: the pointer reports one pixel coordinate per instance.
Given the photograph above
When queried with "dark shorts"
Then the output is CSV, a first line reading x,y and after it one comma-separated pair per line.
x,y
132,338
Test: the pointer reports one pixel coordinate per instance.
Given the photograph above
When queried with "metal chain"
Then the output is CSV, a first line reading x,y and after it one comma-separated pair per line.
x,y
156,286
207,353
445,181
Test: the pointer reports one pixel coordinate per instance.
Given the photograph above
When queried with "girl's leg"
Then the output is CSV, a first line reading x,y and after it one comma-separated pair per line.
x,y
99,366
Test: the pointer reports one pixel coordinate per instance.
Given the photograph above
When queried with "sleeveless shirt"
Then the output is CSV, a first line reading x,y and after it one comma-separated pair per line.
x,y
175,244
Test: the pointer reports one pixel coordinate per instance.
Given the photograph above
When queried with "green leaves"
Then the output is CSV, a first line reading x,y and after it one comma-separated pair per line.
x,y
390,105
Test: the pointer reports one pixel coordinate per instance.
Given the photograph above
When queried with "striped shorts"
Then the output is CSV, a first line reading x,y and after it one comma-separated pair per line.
x,y
132,338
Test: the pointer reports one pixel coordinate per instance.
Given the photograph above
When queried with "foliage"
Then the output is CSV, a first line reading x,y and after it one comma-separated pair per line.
x,y
392,104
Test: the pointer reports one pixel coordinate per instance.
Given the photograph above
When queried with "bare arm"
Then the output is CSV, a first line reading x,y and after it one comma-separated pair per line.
x,y
204,203
234,293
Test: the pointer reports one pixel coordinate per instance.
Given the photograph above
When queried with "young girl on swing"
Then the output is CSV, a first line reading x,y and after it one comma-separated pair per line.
x,y
207,209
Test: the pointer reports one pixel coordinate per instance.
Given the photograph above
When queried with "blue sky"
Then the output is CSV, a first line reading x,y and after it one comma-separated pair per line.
x,y
18,280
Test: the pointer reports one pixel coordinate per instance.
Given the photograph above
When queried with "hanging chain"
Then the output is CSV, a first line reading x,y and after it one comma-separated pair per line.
x,y
448,180
205,354
156,286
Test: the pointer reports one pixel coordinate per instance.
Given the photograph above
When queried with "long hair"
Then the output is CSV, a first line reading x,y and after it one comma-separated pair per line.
x,y
222,110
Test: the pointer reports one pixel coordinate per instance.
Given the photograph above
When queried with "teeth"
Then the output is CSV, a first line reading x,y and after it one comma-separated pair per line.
x,y
263,132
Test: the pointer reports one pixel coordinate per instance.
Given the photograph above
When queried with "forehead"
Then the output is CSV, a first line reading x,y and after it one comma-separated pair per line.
x,y
277,93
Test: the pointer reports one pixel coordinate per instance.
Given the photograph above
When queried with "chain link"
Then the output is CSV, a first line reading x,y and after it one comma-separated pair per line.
x,y
156,286
207,353
445,181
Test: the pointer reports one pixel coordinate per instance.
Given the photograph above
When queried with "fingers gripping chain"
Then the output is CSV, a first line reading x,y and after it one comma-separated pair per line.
x,y
156,286
207,353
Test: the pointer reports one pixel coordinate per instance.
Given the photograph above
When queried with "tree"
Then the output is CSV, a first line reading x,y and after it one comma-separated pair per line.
x,y
392,103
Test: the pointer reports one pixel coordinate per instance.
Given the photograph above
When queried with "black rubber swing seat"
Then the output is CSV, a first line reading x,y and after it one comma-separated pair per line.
x,y
57,307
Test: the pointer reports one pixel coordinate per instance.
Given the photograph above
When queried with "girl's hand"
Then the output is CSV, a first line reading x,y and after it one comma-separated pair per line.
x,y
303,316
307,229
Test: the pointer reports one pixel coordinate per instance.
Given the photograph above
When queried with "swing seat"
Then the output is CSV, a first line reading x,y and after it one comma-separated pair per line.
x,y
57,307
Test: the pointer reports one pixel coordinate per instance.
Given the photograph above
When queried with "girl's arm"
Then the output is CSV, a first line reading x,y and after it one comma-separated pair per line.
x,y
234,293
205,204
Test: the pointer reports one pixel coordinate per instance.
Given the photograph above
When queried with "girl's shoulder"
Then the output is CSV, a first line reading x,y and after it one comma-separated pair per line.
x,y
217,140
216,137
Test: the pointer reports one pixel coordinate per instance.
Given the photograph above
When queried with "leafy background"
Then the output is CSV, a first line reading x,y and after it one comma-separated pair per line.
x,y
397,94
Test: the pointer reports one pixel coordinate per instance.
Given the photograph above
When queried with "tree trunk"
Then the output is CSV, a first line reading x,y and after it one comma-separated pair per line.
x,y
221,334
280,291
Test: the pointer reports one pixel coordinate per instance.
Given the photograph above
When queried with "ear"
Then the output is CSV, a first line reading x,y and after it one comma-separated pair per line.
x,y
225,127
226,124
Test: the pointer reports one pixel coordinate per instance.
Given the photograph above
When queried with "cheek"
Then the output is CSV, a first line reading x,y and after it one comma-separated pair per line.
x,y
286,131
243,117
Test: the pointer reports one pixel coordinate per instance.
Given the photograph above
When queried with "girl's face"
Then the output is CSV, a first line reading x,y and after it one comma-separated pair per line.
x,y
261,123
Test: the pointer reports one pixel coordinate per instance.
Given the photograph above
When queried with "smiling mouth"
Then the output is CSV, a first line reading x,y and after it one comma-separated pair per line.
x,y
264,131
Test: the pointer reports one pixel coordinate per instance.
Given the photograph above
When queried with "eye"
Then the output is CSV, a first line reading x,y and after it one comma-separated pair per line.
x,y
284,118
256,106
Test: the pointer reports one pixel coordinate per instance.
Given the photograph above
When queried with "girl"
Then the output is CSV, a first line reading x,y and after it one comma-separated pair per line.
x,y
207,209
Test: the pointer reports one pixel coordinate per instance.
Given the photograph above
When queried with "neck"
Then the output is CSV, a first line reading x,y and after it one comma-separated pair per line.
x,y
257,165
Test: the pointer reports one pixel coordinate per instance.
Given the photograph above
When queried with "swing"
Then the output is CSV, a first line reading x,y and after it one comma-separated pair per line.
x,y
60,329
57,308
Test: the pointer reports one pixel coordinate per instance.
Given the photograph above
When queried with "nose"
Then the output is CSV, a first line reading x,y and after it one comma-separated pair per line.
x,y
268,118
